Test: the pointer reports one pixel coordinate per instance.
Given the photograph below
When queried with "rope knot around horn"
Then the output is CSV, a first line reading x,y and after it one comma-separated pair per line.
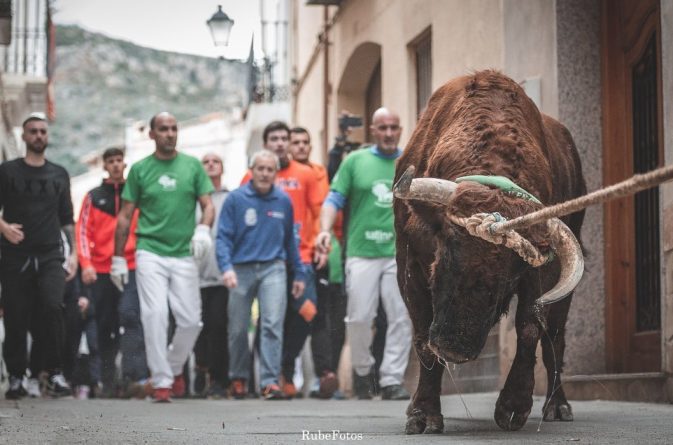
x,y
482,225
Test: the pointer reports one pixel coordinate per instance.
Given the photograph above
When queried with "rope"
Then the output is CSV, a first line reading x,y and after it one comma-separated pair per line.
x,y
494,228
480,225
630,186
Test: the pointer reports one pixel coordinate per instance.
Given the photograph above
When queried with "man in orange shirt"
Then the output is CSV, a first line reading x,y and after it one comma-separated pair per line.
x,y
327,329
300,183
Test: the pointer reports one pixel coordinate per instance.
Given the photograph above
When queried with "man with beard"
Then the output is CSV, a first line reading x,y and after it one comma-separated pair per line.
x,y
165,187
36,205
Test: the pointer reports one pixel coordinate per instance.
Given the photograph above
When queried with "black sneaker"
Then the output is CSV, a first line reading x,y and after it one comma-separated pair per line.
x,y
395,392
216,391
57,386
16,389
200,384
363,386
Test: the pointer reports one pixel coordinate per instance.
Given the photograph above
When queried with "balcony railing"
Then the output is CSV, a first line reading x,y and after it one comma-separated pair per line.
x,y
27,52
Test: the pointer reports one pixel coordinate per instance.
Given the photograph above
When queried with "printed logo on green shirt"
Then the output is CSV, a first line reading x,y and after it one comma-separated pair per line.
x,y
382,190
378,236
168,182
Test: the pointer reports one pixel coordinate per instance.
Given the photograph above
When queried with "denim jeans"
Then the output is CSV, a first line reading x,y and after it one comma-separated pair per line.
x,y
267,281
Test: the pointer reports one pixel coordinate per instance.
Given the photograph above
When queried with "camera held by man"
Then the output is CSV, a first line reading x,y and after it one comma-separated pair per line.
x,y
342,144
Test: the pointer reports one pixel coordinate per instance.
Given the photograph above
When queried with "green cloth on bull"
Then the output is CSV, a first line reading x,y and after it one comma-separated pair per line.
x,y
503,183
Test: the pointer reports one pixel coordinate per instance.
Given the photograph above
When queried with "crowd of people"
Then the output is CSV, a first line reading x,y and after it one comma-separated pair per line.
x,y
167,263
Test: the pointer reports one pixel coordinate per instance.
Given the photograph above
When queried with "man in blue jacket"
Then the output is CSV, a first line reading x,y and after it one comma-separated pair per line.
x,y
255,237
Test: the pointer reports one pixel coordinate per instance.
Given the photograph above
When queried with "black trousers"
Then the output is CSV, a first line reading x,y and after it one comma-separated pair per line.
x,y
32,291
115,309
329,332
211,350
77,369
327,329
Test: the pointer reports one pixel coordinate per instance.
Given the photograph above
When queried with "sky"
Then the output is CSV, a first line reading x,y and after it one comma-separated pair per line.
x,y
172,25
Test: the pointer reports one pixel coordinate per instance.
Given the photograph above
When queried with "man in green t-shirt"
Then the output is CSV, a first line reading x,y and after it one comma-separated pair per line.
x,y
364,180
165,187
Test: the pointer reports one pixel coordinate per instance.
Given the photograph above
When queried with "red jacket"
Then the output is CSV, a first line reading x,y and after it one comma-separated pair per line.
x,y
95,229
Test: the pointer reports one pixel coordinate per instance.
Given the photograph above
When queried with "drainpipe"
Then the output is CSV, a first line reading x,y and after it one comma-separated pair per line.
x,y
326,85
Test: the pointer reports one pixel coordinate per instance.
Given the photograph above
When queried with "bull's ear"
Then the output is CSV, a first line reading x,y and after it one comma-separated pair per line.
x,y
433,190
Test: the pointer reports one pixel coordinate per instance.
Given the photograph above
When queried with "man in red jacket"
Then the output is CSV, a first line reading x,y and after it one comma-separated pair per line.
x,y
117,313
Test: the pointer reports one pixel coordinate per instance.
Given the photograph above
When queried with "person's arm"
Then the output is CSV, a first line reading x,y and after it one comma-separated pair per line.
x,y
292,254
11,231
65,216
71,261
207,210
83,232
123,226
224,242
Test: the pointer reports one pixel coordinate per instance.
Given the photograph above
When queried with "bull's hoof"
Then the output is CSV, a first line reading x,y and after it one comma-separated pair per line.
x,y
508,418
558,411
420,423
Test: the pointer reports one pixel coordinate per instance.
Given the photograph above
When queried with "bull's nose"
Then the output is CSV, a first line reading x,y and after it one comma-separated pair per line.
x,y
446,354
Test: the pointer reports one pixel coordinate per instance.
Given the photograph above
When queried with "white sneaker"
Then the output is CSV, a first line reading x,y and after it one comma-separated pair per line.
x,y
82,392
33,388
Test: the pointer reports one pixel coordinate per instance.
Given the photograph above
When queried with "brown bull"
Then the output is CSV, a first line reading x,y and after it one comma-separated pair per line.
x,y
457,286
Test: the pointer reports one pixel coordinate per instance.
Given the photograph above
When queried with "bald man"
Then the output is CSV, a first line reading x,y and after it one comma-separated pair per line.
x,y
165,187
365,180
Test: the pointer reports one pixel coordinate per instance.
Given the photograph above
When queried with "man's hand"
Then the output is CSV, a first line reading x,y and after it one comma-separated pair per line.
x,y
12,232
298,289
201,242
230,279
89,275
83,304
323,242
119,272
71,267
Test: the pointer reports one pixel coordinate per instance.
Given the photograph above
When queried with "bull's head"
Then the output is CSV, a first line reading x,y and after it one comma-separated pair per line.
x,y
472,280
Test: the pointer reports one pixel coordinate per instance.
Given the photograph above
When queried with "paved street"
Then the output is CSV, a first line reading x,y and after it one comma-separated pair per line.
x,y
263,422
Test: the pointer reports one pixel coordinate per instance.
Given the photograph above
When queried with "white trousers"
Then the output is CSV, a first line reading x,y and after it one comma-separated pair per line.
x,y
367,279
164,281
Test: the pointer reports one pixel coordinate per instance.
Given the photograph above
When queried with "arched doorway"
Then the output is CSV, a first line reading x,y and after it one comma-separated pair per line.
x,y
359,89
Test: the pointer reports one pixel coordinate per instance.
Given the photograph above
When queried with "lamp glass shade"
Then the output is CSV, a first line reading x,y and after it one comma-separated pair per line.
x,y
220,27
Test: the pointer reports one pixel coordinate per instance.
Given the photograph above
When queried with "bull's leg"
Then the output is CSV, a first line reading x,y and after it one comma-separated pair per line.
x,y
556,406
424,412
516,398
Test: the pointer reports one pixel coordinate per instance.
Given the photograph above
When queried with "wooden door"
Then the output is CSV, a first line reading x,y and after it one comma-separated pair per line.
x,y
632,143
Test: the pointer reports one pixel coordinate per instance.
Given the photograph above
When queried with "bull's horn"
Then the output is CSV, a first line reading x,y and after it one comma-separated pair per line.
x,y
423,189
569,253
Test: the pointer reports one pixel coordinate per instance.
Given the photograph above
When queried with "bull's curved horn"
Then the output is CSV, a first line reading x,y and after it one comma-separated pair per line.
x,y
423,189
569,252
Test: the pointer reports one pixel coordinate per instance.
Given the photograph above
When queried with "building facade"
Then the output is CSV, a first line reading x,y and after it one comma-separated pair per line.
x,y
604,69
26,50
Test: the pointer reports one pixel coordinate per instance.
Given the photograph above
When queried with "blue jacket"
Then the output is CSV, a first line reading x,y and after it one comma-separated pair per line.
x,y
256,228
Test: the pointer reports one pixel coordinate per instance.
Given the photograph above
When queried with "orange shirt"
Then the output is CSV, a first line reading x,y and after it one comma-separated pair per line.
x,y
300,183
321,178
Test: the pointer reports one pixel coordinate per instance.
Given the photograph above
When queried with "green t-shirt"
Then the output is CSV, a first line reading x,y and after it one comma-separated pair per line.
x,y
335,262
366,180
165,192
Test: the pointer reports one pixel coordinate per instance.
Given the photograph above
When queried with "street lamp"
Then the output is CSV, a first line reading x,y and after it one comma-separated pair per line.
x,y
220,26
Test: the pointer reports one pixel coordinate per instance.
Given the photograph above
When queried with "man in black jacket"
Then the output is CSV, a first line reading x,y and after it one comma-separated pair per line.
x,y
36,205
